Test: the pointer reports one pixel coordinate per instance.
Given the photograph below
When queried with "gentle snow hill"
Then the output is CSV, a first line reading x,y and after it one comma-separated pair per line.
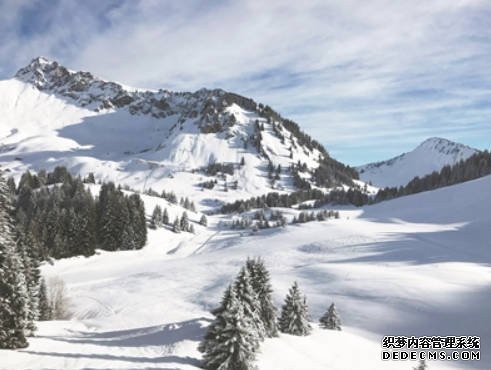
x,y
52,116
431,155
416,265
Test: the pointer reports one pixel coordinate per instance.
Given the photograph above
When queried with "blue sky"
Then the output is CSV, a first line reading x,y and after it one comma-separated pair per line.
x,y
368,79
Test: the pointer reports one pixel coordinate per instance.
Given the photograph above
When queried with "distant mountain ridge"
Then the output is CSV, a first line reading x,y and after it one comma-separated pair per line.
x,y
431,155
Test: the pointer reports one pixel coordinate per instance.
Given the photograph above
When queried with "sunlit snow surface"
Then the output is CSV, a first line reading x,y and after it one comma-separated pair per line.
x,y
418,265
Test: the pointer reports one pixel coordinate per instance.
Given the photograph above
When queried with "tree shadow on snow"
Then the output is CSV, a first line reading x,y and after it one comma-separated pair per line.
x,y
167,336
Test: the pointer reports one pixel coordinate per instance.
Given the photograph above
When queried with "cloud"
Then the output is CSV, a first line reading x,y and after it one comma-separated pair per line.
x,y
355,74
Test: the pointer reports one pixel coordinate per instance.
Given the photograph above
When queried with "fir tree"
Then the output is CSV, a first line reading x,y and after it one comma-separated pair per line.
x,y
165,217
156,220
261,283
235,343
45,313
213,332
30,268
176,226
294,317
249,300
330,319
184,221
203,220
14,297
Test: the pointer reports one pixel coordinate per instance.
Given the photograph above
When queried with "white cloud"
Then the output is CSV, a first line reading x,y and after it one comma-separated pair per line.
x,y
350,71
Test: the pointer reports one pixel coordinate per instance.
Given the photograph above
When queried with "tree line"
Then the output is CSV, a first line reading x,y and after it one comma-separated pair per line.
x,y
65,220
476,166
274,199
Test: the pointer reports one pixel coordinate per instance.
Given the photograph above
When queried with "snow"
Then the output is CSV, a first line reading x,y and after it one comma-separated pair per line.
x,y
42,130
417,265
431,155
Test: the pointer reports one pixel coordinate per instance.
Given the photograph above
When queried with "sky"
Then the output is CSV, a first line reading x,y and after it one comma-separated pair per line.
x,y
368,79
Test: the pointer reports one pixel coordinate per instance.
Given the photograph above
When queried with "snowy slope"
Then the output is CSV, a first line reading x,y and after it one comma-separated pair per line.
x,y
417,265
431,155
52,116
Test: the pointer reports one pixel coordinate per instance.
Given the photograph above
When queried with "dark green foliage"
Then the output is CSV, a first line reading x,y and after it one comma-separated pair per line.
x,y
231,343
26,250
90,179
65,220
14,295
156,220
261,283
332,173
184,223
249,300
165,217
330,320
477,165
213,168
294,317
351,196
176,226
208,184
120,220
209,340
45,313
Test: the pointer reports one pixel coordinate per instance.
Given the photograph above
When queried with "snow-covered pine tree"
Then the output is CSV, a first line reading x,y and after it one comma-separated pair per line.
x,y
14,296
294,317
165,217
30,265
184,221
421,365
45,313
191,229
212,334
203,220
236,343
330,319
261,283
156,220
249,300
176,226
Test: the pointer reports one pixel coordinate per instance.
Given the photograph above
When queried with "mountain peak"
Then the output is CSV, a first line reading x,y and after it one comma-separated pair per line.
x,y
431,155
443,146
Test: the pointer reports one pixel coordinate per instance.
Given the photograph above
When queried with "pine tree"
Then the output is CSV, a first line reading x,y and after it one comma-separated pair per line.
x,y
30,269
330,319
235,342
184,221
213,332
203,220
249,300
294,317
14,297
261,283
165,217
156,220
191,229
45,313
176,226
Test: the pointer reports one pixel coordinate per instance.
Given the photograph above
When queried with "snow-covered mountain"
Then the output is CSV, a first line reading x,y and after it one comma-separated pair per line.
x,y
52,116
431,155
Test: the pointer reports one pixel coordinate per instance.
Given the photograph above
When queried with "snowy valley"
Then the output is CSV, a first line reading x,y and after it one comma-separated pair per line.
x,y
417,265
